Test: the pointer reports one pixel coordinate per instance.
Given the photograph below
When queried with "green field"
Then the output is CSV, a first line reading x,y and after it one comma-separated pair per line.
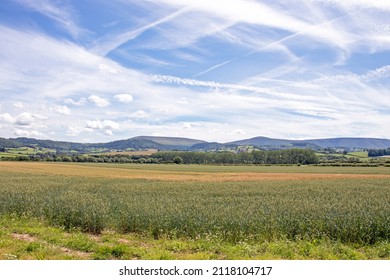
x,y
24,151
359,154
302,215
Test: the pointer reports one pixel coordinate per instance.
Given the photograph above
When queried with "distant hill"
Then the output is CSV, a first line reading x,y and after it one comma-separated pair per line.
x,y
9,143
186,144
211,146
171,141
261,142
270,143
349,143
360,143
152,142
50,144
132,143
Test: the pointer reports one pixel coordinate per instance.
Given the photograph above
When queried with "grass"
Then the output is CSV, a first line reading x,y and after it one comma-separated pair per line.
x,y
359,154
5,154
301,215
27,238
24,151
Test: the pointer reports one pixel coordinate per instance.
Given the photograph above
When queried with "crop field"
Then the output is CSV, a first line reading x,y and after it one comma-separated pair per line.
x,y
235,205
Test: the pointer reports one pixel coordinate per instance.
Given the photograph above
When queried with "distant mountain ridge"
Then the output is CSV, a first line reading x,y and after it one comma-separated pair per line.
x,y
344,142
187,144
173,141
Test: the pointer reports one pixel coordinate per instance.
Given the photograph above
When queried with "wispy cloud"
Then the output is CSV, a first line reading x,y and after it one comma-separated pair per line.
x,y
212,68
107,44
376,4
257,13
63,15
217,85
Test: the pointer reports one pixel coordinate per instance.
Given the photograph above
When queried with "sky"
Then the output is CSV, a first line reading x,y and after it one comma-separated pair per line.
x,y
99,71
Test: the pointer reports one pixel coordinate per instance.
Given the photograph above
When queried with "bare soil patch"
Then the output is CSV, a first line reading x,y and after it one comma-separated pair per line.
x,y
24,237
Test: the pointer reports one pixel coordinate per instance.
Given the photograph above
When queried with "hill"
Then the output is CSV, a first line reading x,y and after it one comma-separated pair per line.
x,y
152,142
346,143
50,144
185,144
359,143
171,141
9,143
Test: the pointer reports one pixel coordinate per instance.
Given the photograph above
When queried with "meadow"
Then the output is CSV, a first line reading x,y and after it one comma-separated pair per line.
x,y
310,208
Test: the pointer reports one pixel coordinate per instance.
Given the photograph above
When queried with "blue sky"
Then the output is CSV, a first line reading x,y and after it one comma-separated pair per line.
x,y
94,70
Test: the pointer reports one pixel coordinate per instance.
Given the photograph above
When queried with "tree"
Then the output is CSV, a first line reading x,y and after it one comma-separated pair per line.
x,y
178,160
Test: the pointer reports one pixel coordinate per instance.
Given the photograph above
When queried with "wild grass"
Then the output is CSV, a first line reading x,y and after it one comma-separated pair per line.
x,y
30,238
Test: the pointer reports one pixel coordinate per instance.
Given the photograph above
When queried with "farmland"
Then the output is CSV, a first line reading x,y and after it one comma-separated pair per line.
x,y
194,211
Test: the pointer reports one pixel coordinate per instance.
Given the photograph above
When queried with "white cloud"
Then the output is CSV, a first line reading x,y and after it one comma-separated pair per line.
x,y
186,126
111,24
7,118
19,105
212,68
379,73
98,101
62,15
124,98
211,18
95,124
63,110
107,44
377,4
217,85
27,133
108,132
238,132
105,124
140,114
25,119
74,130
68,69
182,101
39,116
80,102
109,69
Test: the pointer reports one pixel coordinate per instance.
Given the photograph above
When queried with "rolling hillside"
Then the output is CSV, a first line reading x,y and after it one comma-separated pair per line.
x,y
184,144
349,143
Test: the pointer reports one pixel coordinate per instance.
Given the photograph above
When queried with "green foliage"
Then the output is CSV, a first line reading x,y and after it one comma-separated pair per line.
x,y
379,152
42,241
290,156
178,160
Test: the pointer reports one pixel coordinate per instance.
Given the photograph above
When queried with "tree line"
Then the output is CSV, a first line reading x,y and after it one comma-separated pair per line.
x,y
290,156
379,152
